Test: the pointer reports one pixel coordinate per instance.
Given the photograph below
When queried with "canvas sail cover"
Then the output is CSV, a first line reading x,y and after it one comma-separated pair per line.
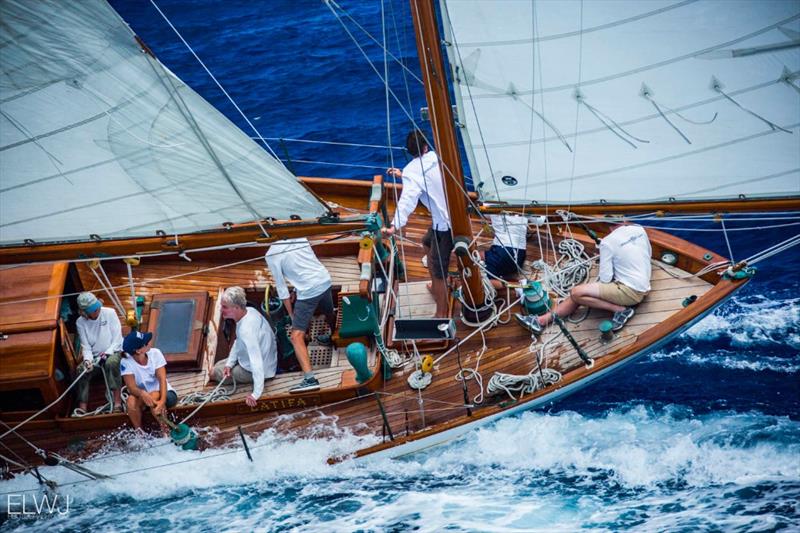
x,y
98,137
585,102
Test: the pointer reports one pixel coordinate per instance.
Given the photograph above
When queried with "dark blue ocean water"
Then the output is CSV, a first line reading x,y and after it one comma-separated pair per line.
x,y
702,435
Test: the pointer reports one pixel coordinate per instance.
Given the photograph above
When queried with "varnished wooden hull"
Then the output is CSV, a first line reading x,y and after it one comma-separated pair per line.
x,y
354,408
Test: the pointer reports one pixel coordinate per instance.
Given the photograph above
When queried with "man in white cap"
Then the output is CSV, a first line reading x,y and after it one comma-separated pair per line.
x,y
100,333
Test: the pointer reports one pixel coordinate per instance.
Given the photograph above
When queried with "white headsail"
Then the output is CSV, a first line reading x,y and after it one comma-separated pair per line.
x,y
98,137
623,101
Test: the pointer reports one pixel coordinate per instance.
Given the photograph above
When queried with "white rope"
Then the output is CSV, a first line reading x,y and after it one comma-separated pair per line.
x,y
108,291
773,250
418,379
133,291
727,241
217,395
475,332
571,269
531,382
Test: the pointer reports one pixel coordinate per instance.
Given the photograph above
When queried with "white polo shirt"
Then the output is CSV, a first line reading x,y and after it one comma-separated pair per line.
x,y
294,260
422,181
510,231
625,257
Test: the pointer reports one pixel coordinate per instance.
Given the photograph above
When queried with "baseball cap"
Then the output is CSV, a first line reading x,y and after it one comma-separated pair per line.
x,y
135,340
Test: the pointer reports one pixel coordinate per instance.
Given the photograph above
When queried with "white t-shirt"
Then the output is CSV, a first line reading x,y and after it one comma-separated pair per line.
x,y
510,231
145,375
99,336
255,349
625,257
294,260
422,182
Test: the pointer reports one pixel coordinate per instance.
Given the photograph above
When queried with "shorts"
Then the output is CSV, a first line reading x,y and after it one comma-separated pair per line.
x,y
620,294
304,310
172,399
439,251
504,261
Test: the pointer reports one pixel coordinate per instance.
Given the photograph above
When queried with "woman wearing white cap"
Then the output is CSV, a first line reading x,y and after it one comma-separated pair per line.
x,y
101,343
145,373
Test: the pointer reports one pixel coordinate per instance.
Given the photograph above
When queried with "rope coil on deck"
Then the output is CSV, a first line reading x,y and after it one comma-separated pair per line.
x,y
527,384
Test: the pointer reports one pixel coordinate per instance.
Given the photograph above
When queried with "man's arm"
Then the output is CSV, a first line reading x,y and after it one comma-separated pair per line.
x,y
407,202
86,347
250,343
276,268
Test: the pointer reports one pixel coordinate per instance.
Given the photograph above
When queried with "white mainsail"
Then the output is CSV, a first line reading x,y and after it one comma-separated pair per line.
x,y
585,102
98,137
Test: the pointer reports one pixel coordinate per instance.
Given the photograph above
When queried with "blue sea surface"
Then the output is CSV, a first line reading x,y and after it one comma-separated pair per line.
x,y
702,435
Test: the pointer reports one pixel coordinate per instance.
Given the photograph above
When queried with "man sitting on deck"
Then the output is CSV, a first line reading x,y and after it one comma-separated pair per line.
x,y
254,355
422,181
294,261
506,256
624,280
100,333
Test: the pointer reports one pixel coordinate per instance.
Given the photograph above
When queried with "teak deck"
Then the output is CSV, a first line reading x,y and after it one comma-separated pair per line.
x,y
508,348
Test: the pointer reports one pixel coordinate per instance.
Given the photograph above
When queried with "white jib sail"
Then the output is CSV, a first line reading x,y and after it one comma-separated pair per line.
x,y
595,101
98,137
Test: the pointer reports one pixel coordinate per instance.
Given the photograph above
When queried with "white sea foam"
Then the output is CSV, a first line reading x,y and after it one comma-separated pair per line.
x,y
754,320
731,359
534,472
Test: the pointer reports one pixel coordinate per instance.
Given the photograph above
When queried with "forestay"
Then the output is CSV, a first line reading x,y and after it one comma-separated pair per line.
x,y
623,101
98,137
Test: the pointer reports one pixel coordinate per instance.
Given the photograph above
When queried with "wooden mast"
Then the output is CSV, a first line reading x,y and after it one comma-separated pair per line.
x,y
442,123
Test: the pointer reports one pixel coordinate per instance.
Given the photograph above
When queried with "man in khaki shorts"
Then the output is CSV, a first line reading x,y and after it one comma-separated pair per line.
x,y
623,281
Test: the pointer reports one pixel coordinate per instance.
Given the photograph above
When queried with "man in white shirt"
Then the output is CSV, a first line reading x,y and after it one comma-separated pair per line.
x,y
506,257
422,182
100,333
294,261
623,281
254,355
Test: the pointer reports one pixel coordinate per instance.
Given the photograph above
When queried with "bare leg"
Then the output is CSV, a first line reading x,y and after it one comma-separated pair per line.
x,y
135,411
300,351
587,294
439,291
135,407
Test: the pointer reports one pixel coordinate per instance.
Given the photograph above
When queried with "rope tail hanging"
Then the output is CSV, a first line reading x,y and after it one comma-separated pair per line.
x,y
605,120
647,94
717,86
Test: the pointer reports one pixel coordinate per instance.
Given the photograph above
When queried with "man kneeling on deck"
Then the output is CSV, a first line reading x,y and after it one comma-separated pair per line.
x,y
254,355
506,257
294,261
624,280
100,334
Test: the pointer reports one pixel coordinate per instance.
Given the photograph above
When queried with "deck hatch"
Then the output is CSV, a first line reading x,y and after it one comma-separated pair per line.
x,y
177,323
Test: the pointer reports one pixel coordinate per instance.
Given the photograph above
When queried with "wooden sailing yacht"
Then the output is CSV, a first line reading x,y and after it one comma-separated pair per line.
x,y
119,179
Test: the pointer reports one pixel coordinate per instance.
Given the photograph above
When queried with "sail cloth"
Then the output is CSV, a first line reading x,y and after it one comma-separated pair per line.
x,y
624,101
98,137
